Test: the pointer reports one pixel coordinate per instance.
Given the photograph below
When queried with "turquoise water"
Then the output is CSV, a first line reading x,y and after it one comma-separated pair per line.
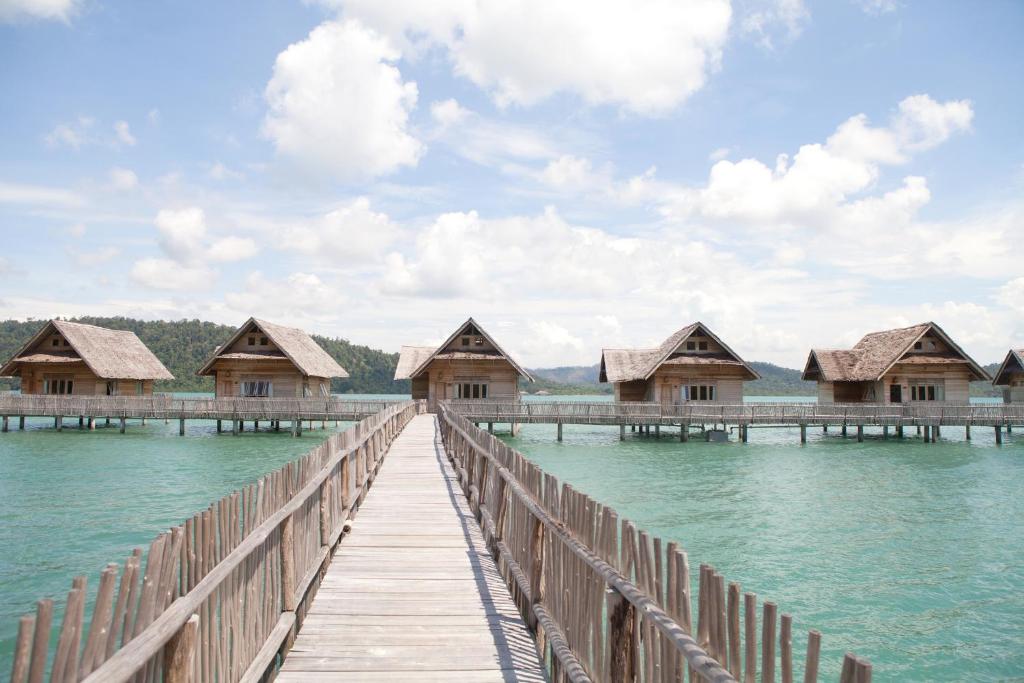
x,y
71,502
905,553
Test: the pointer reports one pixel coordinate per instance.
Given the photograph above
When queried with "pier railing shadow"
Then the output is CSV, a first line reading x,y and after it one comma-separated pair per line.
x,y
609,602
221,596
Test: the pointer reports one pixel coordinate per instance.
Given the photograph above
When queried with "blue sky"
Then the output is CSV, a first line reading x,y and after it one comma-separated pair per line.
x,y
576,175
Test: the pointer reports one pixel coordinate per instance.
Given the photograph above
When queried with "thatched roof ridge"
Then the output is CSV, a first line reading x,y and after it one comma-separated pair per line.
x,y
627,365
109,354
1014,362
304,353
412,360
877,352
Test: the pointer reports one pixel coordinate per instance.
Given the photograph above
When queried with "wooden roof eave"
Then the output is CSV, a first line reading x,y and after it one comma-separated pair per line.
x,y
1012,355
932,327
208,366
698,326
10,365
470,321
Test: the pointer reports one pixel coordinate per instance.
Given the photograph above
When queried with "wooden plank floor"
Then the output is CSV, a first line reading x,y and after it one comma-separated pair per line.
x,y
412,593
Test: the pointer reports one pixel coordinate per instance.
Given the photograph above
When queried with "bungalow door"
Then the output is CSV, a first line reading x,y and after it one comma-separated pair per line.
x,y
895,393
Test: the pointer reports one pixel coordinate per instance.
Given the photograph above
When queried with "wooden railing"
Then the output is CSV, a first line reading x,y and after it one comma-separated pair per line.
x,y
222,594
606,412
167,406
609,602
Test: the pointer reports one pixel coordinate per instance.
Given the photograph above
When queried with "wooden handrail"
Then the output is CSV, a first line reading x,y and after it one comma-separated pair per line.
x,y
236,547
646,588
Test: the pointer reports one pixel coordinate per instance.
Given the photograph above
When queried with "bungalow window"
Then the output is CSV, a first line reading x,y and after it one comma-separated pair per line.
x,y
140,387
257,388
691,346
699,392
56,342
472,390
325,390
479,341
58,386
263,341
252,341
918,346
702,346
111,388
927,391
465,341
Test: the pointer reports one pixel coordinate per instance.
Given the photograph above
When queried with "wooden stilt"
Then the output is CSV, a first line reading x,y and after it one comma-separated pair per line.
x,y
5,423
844,430
81,422
967,432
90,424
559,431
490,427
255,425
936,433
143,422
295,427
824,429
234,427
803,433
860,433
108,422
885,431
684,432
927,433
743,433
657,431
220,426
899,431
21,423
622,432
122,425
181,427
58,422
999,435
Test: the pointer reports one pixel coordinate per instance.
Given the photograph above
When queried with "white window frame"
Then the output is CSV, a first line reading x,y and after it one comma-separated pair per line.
x,y
254,388
476,389
933,390
710,391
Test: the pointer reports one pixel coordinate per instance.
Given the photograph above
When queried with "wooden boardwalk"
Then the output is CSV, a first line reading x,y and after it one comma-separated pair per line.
x,y
412,593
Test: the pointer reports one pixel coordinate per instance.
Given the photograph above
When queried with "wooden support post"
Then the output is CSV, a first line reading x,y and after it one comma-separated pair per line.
x,y
844,430
743,433
899,431
180,652
220,426
295,427
936,433
143,422
684,432
967,432
999,435
21,423
288,584
58,422
255,425
803,433
490,427
622,432
1009,429
5,423
559,431
768,643
860,433
813,655
885,431
300,427
122,424
108,421
632,428
750,637
234,427
824,429
621,653
81,421
535,569
277,425
181,426
657,431
919,430
90,424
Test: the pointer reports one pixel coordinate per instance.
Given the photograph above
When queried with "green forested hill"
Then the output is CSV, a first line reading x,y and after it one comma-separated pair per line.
x,y
184,345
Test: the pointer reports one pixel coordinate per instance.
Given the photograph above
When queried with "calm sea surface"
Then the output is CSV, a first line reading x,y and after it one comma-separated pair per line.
x,y
908,554
911,555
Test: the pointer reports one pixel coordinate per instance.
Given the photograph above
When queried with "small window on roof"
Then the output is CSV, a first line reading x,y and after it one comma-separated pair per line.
x,y
66,343
263,341
691,346
252,341
702,346
465,341
918,346
56,342
479,341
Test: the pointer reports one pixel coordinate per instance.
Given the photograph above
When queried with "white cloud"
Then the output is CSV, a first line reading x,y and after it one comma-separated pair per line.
x,y
95,257
159,273
878,6
350,233
646,56
1011,294
39,195
59,10
337,104
73,134
303,296
77,230
122,179
182,232
486,141
719,153
153,116
448,112
123,133
231,249
573,173
771,17
220,172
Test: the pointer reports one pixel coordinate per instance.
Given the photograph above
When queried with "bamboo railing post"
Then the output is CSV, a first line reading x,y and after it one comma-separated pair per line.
x,y
786,648
768,643
813,653
621,655
41,640
180,651
23,646
734,629
288,584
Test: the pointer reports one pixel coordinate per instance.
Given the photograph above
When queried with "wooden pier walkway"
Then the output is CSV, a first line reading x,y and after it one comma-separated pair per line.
x,y
415,594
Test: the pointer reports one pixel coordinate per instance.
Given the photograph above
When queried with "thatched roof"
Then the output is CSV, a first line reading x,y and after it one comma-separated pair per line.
x,y
414,359
294,345
1012,364
877,352
628,365
109,354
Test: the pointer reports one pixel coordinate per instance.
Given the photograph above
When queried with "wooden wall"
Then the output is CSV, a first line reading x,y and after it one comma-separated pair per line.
x,y
85,382
955,379
287,380
666,385
501,378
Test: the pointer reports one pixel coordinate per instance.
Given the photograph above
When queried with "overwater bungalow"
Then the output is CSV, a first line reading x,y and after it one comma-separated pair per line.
x,y
85,360
909,364
469,364
262,359
691,365
1010,376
